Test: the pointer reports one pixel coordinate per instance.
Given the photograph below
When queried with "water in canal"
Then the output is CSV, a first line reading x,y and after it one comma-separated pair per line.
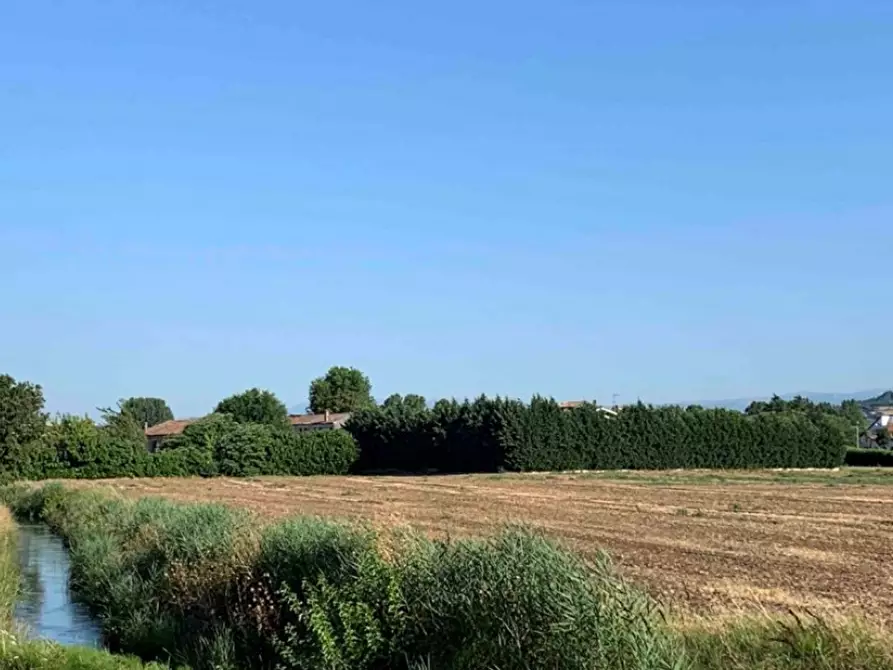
x,y
45,606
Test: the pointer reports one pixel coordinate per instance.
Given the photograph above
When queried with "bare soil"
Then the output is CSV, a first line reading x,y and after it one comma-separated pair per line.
x,y
698,541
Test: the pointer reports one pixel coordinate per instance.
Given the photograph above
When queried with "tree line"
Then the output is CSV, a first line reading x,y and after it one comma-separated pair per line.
x,y
249,433
493,434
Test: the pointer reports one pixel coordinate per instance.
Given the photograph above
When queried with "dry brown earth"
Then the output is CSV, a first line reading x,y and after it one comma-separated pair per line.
x,y
707,541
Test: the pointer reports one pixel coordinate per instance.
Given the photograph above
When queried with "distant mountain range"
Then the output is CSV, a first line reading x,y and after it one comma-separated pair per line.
x,y
885,399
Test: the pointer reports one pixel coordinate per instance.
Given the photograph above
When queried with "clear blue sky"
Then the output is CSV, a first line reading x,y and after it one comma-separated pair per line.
x,y
666,200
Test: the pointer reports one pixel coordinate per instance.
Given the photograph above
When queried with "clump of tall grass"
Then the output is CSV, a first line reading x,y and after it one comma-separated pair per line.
x,y
796,642
514,601
505,600
9,568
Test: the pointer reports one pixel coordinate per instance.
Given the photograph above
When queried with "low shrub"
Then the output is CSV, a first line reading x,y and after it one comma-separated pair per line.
x,y
869,458
182,462
243,451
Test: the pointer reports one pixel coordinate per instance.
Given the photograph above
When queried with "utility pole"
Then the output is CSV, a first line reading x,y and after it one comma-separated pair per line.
x,y
614,397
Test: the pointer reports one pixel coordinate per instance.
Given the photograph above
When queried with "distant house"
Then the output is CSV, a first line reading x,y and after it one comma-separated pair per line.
x,y
326,421
875,407
156,435
883,423
574,404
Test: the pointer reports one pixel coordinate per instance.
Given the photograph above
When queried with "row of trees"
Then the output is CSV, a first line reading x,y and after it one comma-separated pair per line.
x,y
341,389
487,435
247,434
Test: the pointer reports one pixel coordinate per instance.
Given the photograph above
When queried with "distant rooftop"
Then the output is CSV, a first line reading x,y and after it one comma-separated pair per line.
x,y
313,419
168,428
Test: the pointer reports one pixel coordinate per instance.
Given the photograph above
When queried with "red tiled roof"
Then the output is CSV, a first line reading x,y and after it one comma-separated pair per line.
x,y
311,419
168,428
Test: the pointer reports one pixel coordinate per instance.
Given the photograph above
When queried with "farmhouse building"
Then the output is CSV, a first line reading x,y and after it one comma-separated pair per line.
x,y
326,421
575,404
156,435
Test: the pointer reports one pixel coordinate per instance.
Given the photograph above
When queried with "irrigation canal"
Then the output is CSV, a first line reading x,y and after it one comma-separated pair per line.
x,y
45,607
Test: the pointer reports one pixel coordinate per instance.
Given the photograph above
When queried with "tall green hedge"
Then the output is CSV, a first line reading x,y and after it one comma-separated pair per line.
x,y
486,435
483,435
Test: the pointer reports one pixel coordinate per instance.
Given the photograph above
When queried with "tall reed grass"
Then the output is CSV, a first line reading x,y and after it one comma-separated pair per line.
x,y
9,568
794,642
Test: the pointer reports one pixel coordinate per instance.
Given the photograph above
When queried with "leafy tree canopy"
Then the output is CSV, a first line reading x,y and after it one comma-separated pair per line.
x,y
22,421
341,389
255,406
204,434
411,402
849,410
147,411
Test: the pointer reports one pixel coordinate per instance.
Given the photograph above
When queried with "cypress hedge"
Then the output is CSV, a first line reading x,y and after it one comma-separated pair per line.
x,y
488,435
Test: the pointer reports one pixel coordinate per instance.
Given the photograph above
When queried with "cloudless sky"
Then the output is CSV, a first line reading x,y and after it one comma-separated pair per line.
x,y
671,200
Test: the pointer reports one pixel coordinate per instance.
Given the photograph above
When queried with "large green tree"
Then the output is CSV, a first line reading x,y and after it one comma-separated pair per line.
x,y
411,402
255,406
22,422
147,411
341,389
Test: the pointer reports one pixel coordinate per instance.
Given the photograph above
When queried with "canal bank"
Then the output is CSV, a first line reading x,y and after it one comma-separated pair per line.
x,y
35,603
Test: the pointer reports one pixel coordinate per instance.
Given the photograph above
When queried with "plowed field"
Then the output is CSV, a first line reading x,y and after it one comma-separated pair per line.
x,y
707,541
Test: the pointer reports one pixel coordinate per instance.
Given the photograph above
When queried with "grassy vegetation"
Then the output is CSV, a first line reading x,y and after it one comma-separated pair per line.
x,y
208,586
40,655
796,643
9,569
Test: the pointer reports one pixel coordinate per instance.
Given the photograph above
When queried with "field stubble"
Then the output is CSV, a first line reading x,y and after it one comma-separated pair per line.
x,y
711,543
